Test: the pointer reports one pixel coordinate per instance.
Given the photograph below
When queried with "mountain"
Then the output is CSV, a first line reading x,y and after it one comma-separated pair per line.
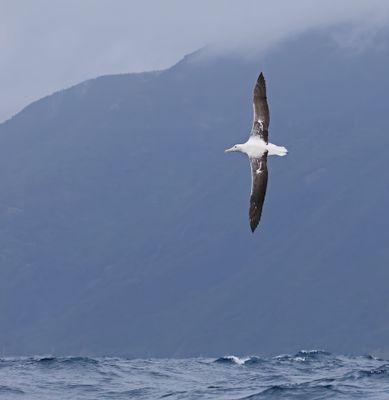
x,y
124,226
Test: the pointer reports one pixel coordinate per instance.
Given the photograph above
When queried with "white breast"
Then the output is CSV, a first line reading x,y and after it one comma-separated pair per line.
x,y
254,147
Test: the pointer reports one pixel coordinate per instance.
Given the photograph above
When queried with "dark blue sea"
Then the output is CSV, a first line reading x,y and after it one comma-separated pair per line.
x,y
305,375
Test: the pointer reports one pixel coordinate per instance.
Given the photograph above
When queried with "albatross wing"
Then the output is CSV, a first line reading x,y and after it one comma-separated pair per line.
x,y
258,188
261,110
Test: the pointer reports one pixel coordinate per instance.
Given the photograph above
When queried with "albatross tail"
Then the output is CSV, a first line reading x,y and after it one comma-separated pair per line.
x,y
275,150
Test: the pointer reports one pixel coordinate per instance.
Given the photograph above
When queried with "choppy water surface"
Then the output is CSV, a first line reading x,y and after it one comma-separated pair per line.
x,y
305,375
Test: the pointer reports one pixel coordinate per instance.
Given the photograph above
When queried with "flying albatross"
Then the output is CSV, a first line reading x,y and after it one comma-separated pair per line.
x,y
257,149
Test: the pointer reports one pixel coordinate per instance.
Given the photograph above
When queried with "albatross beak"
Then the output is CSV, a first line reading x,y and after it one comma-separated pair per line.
x,y
229,150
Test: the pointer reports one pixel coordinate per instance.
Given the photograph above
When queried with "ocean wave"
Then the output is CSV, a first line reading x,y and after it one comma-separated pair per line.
x,y
303,356
302,390
312,353
374,358
300,356
51,360
253,360
381,371
231,360
175,393
10,390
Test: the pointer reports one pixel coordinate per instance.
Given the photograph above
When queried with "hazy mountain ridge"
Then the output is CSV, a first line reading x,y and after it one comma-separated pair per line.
x,y
124,227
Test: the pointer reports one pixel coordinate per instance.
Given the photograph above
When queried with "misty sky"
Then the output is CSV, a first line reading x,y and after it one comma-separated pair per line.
x,y
47,45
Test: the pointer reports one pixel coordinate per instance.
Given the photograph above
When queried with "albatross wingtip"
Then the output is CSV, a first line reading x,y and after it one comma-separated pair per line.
x,y
253,225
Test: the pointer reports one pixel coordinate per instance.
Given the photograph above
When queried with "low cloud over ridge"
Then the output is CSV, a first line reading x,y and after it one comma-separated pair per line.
x,y
48,45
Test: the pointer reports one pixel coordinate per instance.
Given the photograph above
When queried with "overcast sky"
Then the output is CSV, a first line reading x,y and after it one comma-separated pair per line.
x,y
47,45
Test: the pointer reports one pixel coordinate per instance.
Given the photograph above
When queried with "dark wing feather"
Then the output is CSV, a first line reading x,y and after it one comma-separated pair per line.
x,y
259,177
261,119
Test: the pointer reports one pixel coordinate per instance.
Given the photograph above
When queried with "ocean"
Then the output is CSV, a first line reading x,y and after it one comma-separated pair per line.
x,y
306,375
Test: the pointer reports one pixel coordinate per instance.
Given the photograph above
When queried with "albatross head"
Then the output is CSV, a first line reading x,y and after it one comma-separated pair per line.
x,y
237,147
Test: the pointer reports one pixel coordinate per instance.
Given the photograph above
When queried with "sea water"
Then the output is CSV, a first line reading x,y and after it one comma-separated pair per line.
x,y
305,375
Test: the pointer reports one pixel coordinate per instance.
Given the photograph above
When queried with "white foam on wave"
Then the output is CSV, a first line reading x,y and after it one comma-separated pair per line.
x,y
237,360
299,359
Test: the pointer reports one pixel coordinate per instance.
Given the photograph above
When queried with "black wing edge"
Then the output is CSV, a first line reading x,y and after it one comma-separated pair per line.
x,y
261,109
259,177
260,87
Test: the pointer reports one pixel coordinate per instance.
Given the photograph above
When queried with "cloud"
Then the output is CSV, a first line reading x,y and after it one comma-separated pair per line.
x,y
46,45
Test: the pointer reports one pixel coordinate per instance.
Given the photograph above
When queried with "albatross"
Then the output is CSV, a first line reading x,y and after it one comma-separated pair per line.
x,y
257,149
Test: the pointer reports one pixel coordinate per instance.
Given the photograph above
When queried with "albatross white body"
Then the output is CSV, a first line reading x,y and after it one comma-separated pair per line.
x,y
256,147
